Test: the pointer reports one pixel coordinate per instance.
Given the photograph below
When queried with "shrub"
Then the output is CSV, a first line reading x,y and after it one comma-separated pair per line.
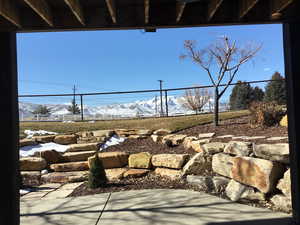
x,y
265,114
97,175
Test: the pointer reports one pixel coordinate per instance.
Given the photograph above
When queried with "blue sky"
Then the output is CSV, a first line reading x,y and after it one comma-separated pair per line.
x,y
100,61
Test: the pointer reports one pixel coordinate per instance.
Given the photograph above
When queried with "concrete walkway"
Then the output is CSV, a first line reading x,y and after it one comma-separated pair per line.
x,y
145,207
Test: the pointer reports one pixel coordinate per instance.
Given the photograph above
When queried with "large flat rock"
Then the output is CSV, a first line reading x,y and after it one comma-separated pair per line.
x,y
174,161
66,139
78,156
259,173
83,147
32,164
222,164
140,160
238,148
111,159
70,166
273,152
65,177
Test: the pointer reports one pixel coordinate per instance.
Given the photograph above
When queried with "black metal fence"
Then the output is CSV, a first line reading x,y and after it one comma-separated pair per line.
x,y
118,105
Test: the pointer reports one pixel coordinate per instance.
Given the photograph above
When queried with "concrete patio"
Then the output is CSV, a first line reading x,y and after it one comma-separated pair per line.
x,y
145,207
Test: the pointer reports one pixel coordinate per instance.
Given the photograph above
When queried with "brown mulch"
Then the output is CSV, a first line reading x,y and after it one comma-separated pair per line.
x,y
147,145
238,127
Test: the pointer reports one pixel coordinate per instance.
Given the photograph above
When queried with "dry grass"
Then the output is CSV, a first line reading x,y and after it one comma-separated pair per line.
x,y
172,123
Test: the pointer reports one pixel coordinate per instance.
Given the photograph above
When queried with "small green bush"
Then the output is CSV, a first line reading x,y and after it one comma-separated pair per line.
x,y
97,176
265,114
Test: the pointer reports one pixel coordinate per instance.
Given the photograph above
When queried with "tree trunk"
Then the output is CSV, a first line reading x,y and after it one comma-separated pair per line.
x,y
216,107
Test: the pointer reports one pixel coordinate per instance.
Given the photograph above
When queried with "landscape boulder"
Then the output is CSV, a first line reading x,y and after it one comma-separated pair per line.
x,y
92,139
111,159
273,152
27,142
32,164
65,177
66,139
284,121
238,148
170,173
140,160
259,173
83,147
220,183
213,147
197,144
203,182
284,184
236,191
31,178
156,138
115,173
70,166
282,203
173,139
222,164
188,141
162,132
103,133
174,161
52,156
77,156
44,139
198,164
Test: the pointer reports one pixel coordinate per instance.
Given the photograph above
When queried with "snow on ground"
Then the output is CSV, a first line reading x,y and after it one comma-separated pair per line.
x,y
114,140
31,133
30,150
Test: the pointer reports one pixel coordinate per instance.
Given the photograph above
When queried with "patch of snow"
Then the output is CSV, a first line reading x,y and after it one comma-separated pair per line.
x,y
31,133
93,121
114,140
30,150
44,172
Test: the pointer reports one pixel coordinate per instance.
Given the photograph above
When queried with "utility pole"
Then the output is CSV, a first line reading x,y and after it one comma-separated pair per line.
x,y
74,100
161,100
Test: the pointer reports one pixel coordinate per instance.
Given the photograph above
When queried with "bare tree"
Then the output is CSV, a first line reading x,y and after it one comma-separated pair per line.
x,y
195,99
222,60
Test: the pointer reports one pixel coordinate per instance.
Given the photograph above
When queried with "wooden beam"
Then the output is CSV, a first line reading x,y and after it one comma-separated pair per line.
x,y
42,8
213,6
246,6
279,5
112,9
9,11
179,10
291,41
147,7
76,9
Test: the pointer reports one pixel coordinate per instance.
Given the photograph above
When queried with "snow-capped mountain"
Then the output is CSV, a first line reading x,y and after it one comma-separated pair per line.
x,y
145,108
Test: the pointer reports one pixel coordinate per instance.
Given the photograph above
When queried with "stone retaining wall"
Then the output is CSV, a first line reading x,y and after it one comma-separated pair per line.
x,y
240,169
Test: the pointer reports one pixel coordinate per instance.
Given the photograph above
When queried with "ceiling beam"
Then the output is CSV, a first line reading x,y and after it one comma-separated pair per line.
x,y
42,8
112,9
213,6
147,8
246,6
279,5
9,11
76,9
179,10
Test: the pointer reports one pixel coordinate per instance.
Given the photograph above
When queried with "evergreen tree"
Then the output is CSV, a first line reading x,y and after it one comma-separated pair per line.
x,y
275,90
41,110
257,95
73,108
240,96
97,176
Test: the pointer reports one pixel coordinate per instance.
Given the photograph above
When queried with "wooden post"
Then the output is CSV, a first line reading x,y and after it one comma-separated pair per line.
x,y
291,37
9,120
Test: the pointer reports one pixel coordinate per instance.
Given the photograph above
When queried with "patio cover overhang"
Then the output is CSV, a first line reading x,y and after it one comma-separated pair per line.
x,y
62,15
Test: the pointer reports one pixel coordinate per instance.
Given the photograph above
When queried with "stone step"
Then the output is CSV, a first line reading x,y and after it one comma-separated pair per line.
x,y
84,147
70,166
77,156
65,177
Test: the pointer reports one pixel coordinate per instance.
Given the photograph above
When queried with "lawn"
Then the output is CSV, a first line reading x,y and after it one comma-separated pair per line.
x,y
172,123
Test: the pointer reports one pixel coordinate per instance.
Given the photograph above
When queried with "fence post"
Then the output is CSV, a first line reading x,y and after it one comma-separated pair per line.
x,y
166,102
81,106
